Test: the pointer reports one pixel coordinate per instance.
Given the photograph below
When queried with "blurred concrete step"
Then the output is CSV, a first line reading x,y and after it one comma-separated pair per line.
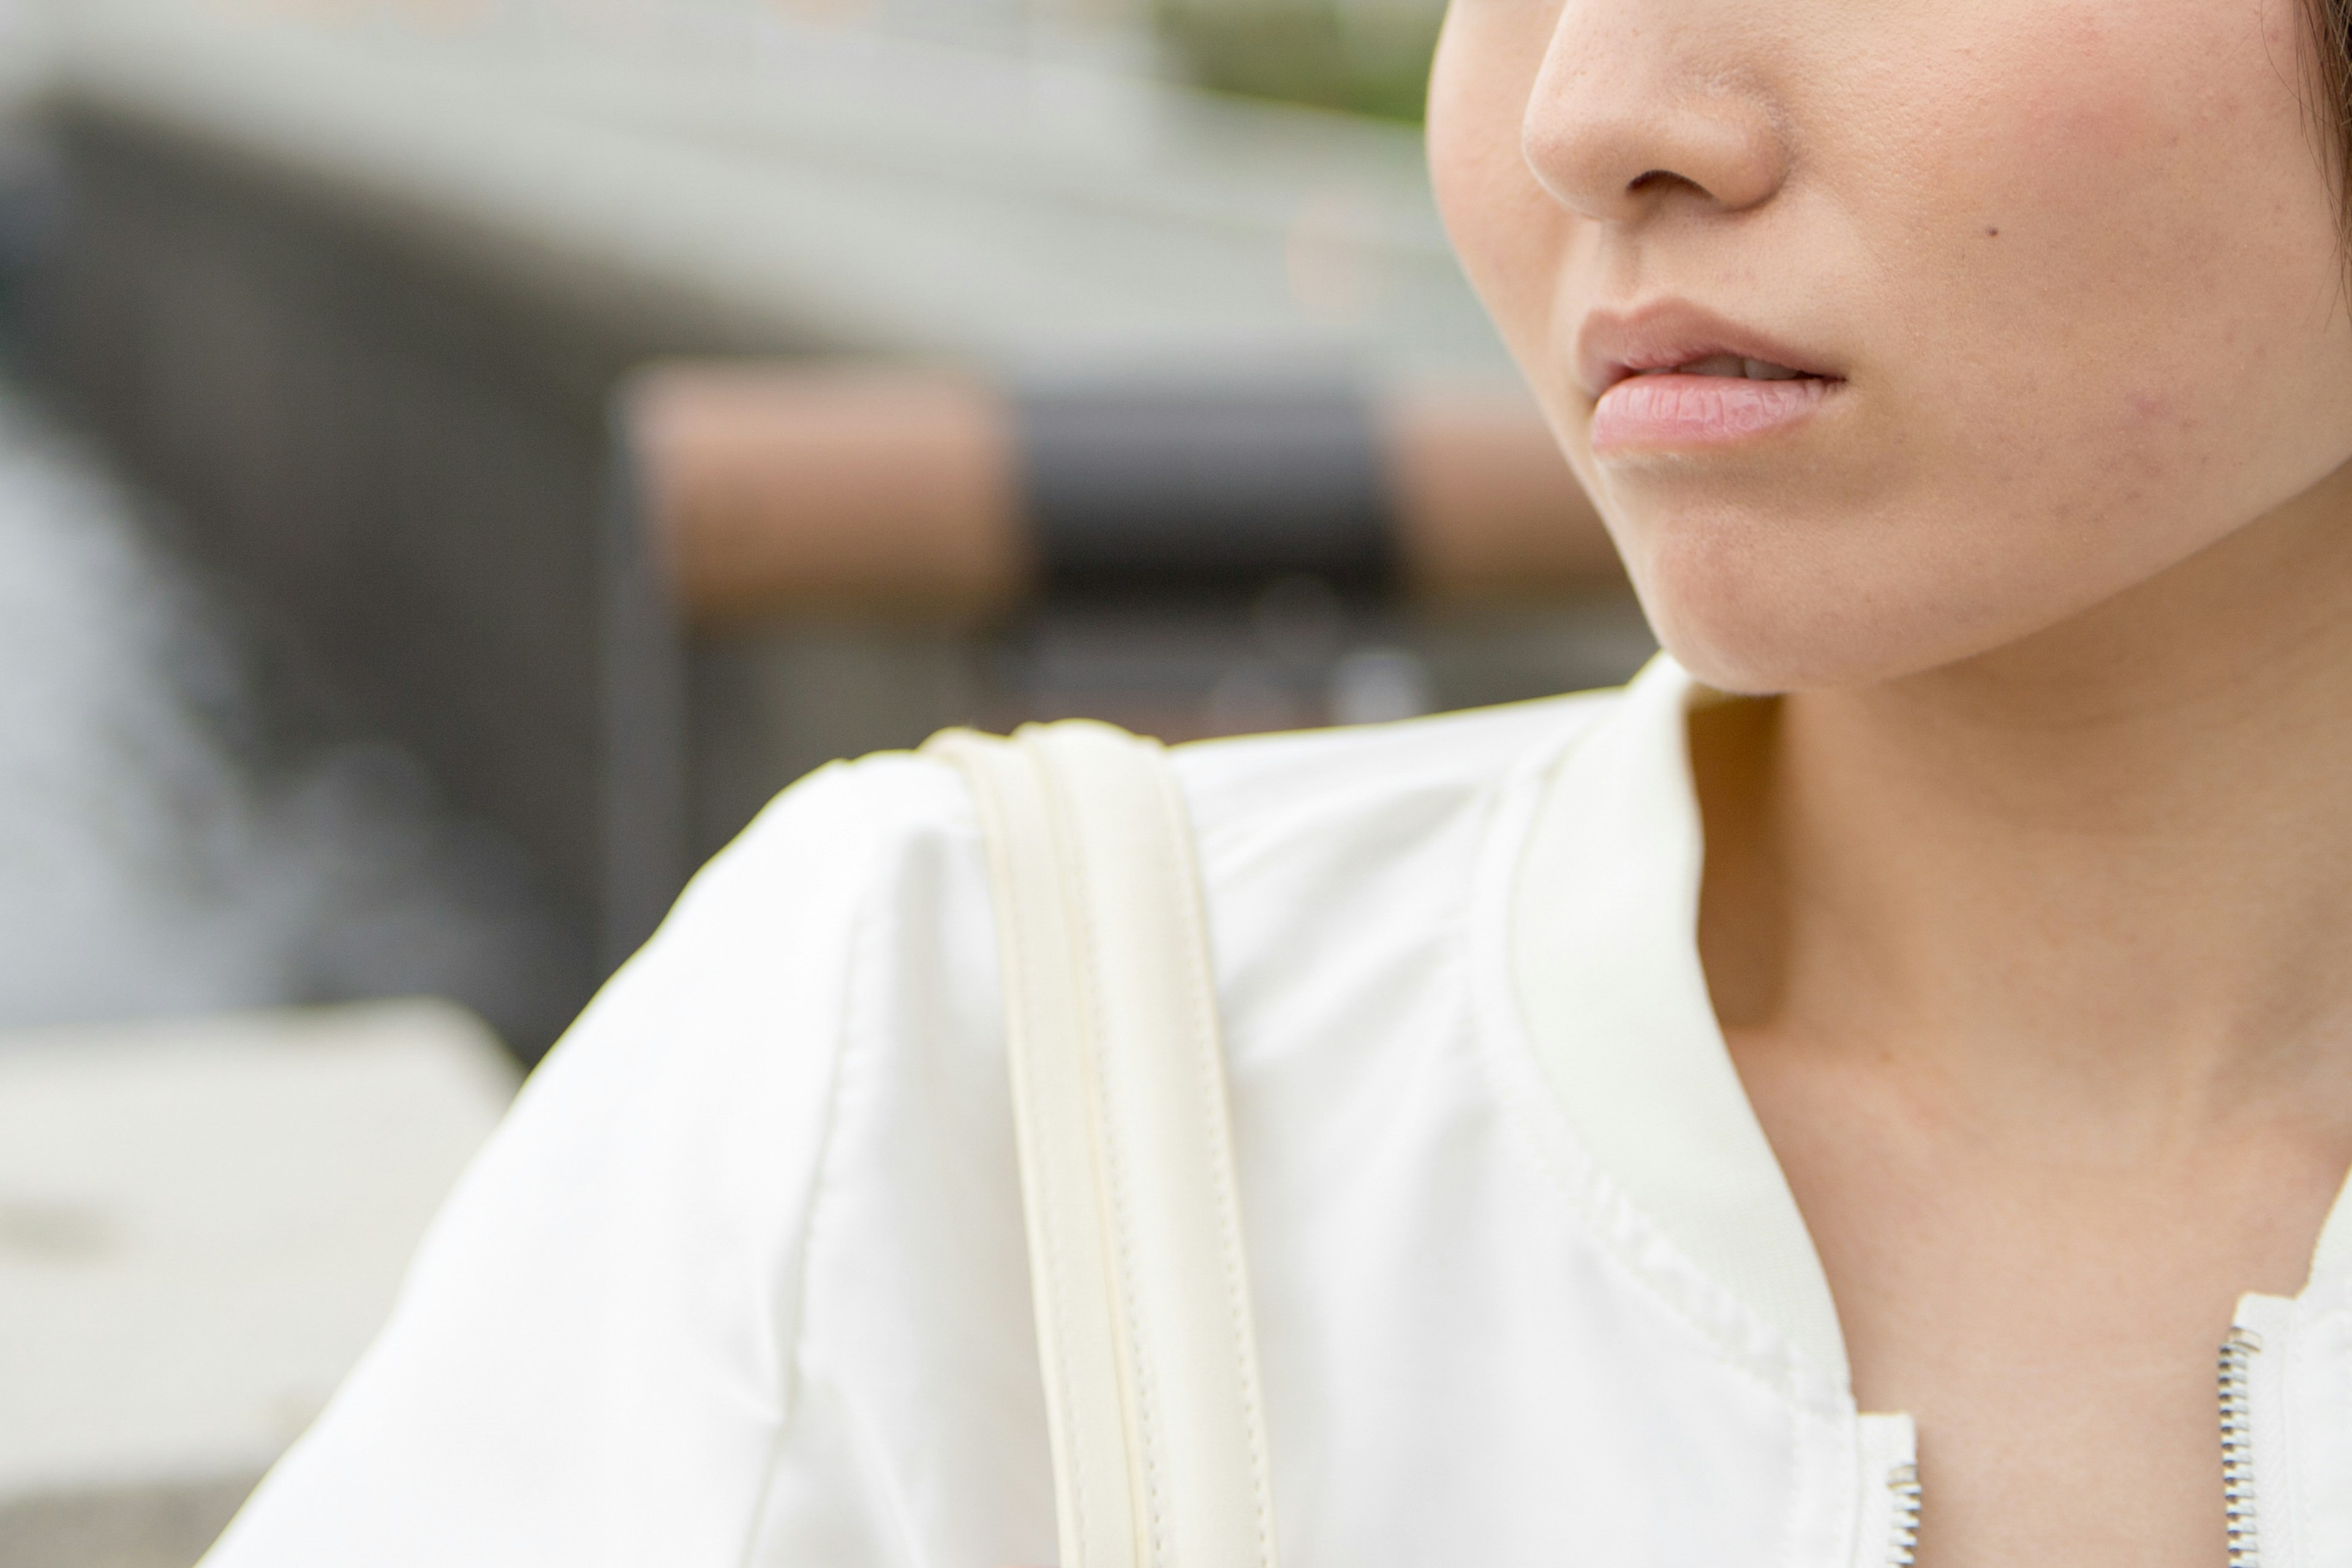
x,y
202,1226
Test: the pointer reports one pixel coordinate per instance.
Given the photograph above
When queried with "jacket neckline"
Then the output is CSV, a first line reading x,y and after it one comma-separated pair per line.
x,y
1606,968
1606,973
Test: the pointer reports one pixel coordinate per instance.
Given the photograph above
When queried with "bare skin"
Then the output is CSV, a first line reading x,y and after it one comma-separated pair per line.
x,y
2025,910
2045,1013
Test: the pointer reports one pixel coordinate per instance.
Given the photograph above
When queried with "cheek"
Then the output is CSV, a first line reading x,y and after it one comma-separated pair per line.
x,y
2113,253
2100,183
2011,195
1510,237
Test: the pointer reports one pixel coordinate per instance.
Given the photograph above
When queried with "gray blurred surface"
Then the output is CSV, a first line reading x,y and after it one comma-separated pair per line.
x,y
203,1224
140,1527
722,172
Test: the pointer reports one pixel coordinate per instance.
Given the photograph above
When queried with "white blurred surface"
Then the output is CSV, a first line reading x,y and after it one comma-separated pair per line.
x,y
201,1224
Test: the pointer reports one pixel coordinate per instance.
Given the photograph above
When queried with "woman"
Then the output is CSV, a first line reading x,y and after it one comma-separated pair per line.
x,y
1978,376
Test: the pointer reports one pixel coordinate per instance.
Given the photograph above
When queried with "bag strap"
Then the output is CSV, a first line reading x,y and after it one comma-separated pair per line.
x,y
1127,1171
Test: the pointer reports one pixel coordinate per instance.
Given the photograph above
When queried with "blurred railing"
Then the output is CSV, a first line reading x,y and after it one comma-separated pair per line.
x,y
1191,557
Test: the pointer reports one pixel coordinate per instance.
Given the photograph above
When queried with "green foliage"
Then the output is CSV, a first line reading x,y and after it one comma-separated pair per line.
x,y
1362,57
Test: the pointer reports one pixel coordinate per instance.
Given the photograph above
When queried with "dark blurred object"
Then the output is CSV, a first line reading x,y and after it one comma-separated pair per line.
x,y
1150,490
31,192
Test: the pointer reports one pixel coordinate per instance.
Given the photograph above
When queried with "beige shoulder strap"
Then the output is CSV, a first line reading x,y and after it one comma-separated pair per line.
x,y
1118,1081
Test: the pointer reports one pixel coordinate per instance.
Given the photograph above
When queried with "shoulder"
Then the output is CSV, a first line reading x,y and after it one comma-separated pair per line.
x,y
1346,865
866,882
856,892
853,830
717,1050
834,831
1373,779
630,1257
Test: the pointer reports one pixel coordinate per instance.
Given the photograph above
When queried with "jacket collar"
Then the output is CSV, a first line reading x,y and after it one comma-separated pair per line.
x,y
1606,967
1605,954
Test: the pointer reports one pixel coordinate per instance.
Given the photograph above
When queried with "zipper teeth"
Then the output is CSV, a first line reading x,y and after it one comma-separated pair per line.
x,y
2238,1352
1904,1549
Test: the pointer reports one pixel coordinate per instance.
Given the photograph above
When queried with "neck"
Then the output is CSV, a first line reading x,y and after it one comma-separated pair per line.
x,y
2110,867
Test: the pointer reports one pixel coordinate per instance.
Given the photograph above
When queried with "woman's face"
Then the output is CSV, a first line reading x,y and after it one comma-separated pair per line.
x,y
2062,274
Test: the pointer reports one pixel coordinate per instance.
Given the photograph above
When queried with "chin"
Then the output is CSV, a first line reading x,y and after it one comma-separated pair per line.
x,y
1770,618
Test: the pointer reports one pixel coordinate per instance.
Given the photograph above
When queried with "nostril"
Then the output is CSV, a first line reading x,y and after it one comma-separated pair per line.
x,y
1664,180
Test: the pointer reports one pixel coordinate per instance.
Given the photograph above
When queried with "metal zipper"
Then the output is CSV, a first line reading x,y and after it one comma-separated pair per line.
x,y
1904,1548
2236,1383
2238,1352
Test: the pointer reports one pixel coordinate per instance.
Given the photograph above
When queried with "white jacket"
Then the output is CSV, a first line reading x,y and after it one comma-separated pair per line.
x,y
741,1284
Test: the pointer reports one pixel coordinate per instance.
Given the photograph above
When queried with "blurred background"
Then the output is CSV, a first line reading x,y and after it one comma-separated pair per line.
x,y
459,458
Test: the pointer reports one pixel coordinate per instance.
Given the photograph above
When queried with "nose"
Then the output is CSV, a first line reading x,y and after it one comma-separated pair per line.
x,y
1643,106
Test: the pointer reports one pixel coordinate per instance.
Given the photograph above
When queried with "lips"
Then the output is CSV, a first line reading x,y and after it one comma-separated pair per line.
x,y
1732,367
1680,413
1675,376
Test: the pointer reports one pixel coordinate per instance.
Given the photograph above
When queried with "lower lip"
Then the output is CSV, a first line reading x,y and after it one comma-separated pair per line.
x,y
1690,413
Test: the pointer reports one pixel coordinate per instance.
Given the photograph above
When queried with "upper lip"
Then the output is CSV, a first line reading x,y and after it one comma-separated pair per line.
x,y
1615,344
